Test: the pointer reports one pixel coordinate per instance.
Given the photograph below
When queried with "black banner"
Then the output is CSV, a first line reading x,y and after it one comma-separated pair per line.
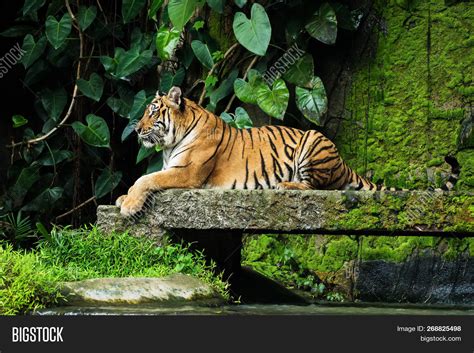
x,y
237,333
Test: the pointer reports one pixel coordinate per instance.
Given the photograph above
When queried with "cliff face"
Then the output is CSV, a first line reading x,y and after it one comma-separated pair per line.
x,y
409,105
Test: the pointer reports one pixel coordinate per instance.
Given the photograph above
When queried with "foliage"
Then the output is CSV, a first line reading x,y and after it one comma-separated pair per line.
x,y
25,283
30,280
105,65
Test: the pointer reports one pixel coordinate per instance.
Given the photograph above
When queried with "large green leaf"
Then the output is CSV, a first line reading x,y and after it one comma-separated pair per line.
x,y
312,102
54,102
240,3
45,200
228,119
181,11
246,91
140,102
155,164
95,133
323,24
144,153
19,30
131,8
242,119
32,50
301,72
58,31
93,88
273,101
26,179
154,7
254,33
31,6
128,129
169,80
202,53
222,91
106,182
166,41
53,157
216,5
131,61
86,15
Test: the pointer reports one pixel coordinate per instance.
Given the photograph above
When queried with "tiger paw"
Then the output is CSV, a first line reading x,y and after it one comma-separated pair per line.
x,y
119,200
131,205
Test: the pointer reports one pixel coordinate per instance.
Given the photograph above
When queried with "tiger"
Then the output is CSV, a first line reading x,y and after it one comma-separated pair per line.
x,y
200,150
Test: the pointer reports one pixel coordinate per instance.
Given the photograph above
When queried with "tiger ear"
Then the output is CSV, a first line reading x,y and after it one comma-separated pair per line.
x,y
174,96
157,94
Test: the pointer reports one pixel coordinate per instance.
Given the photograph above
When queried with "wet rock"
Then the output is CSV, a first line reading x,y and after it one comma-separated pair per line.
x,y
173,289
421,279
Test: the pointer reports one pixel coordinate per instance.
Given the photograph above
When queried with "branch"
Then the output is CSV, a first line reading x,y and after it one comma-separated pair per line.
x,y
74,92
76,208
214,68
252,64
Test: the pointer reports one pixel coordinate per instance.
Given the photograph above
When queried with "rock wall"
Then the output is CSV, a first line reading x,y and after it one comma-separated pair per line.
x,y
409,105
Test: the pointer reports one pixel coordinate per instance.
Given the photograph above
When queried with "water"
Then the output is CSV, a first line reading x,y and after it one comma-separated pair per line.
x,y
262,309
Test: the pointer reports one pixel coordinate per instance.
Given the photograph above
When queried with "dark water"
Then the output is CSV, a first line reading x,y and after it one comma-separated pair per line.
x,y
261,309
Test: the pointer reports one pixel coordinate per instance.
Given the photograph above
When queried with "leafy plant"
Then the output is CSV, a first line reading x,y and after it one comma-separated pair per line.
x,y
107,66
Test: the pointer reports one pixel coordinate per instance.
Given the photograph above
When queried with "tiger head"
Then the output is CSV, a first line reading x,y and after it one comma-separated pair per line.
x,y
160,122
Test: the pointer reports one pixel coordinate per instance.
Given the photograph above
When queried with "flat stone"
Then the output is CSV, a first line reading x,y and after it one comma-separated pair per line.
x,y
173,289
288,211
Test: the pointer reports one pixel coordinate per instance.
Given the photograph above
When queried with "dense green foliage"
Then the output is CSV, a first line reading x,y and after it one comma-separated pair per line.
x,y
105,65
30,280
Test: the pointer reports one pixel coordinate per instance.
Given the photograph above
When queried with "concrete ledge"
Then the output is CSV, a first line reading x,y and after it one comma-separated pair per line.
x,y
315,211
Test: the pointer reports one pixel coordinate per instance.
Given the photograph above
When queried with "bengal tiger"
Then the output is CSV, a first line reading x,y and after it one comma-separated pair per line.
x,y
201,151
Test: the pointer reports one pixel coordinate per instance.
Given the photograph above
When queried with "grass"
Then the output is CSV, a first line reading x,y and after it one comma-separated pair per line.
x,y
30,280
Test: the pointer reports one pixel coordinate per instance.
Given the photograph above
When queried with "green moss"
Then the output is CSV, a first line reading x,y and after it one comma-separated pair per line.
x,y
405,113
216,25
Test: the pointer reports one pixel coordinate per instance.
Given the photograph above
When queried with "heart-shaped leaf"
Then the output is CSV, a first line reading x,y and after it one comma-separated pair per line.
x,y
242,119
312,102
240,3
273,101
323,25
203,54
228,119
245,91
32,50
131,8
131,61
222,91
139,104
181,11
155,164
44,200
95,133
93,88
31,6
155,6
106,182
254,33
128,129
86,15
144,153
54,102
57,32
166,41
216,5
18,121
301,72
54,157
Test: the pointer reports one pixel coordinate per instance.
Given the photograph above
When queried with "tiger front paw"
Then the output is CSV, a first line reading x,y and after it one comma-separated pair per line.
x,y
131,204
119,200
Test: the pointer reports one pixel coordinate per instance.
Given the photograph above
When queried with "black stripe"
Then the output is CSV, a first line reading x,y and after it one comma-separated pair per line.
x,y
233,184
289,155
246,172
290,170
217,148
257,184
264,171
